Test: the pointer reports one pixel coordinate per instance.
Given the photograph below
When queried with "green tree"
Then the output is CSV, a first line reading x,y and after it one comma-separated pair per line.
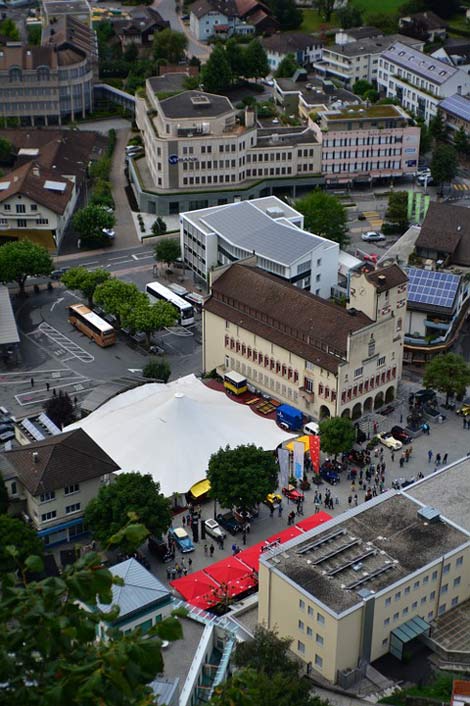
x,y
132,53
6,150
397,211
22,259
107,513
9,29
447,373
337,435
255,60
287,67
85,281
425,140
324,215
101,194
287,13
16,533
34,35
325,8
371,95
461,142
50,628
157,369
236,59
361,87
168,251
118,298
89,223
242,476
444,165
60,409
158,226
147,317
216,75
437,127
169,45
4,502
385,21
349,16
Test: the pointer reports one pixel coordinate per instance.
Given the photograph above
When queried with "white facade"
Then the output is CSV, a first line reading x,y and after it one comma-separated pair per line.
x,y
304,57
205,27
419,81
268,227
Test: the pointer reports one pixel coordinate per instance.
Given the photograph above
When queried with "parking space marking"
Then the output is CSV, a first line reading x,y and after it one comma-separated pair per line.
x,y
65,343
42,395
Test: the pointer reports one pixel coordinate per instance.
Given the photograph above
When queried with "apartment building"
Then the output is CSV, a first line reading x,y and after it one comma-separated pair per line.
x,y
268,227
365,142
367,583
316,355
419,81
456,112
306,48
200,152
355,57
51,83
52,481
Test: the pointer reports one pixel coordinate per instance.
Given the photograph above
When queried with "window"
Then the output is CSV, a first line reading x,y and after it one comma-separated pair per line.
x,y
21,222
319,262
20,208
47,497
301,625
381,361
432,595
317,278
69,489
72,508
388,600
386,622
434,575
426,579
455,601
7,207
407,590
300,647
414,605
397,595
442,609
318,661
405,611
301,604
319,640
358,372
415,585
395,617
423,600
446,569
34,207
42,221
445,588
320,619
46,516
371,347
459,561
14,489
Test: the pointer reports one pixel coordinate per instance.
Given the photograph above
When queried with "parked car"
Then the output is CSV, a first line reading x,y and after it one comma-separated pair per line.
x,y
273,500
109,232
400,434
425,179
293,494
228,522
372,236
355,457
330,476
214,529
243,516
387,410
389,441
182,539
361,216
424,395
57,274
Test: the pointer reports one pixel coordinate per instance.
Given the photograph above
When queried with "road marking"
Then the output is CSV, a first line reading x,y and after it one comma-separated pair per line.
x,y
28,398
120,257
72,294
93,262
135,257
65,343
144,257
60,299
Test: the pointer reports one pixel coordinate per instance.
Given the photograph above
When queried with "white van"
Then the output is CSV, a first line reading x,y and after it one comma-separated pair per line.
x,y
312,428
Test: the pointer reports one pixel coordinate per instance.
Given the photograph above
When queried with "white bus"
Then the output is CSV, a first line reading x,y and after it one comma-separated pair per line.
x,y
156,291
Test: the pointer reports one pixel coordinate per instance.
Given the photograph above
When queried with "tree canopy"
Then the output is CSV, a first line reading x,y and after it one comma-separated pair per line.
x,y
437,127
4,501
242,476
24,540
129,492
9,29
349,16
157,369
255,60
325,8
85,281
444,166
167,250
60,409
216,73
89,223
50,628
447,373
22,259
287,13
337,435
118,298
287,67
6,150
169,45
397,211
324,215
158,226
147,317
461,142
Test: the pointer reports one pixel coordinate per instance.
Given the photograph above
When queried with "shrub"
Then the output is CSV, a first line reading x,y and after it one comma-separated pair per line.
x,y
157,369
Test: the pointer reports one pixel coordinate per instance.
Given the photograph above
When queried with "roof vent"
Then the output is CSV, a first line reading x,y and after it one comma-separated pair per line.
x,y
381,278
200,101
428,513
35,457
275,212
459,228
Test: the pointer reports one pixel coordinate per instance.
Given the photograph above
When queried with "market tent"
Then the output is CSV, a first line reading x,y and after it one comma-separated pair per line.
x,y
305,440
171,430
250,556
195,586
314,520
227,570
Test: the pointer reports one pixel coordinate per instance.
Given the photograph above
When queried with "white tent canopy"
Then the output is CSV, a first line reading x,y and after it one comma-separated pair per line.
x,y
171,430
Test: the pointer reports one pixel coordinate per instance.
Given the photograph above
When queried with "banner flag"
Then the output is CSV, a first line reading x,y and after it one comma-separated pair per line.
x,y
283,458
299,450
314,448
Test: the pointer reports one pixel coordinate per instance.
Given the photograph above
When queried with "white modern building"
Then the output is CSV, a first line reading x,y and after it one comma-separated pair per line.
x,y
417,80
268,227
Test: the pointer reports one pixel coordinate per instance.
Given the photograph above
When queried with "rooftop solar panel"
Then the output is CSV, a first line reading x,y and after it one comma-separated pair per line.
x,y
434,288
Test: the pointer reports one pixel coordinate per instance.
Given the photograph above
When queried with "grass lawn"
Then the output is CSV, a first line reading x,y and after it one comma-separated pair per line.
x,y
313,22
385,6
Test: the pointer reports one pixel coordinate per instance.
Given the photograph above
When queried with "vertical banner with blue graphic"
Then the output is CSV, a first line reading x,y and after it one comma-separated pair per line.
x,y
299,450
283,457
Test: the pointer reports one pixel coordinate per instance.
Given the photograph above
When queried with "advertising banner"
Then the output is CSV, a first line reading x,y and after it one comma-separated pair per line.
x,y
299,450
283,457
314,448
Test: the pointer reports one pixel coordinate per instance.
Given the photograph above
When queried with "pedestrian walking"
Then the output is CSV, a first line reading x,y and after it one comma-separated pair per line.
x,y
183,521
355,499
47,386
244,538
211,550
438,459
271,511
279,510
190,563
402,461
32,382
349,500
429,456
185,571
444,460
392,456
205,549
317,507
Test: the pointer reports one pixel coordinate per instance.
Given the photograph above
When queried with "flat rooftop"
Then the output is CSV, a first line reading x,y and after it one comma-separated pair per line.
x,y
178,656
365,550
362,112
448,490
61,7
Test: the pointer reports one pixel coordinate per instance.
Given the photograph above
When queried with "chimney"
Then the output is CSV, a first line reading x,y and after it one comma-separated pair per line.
x,y
35,457
249,117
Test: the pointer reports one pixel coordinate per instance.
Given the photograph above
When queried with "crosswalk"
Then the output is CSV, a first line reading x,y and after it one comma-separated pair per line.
x,y
374,219
461,187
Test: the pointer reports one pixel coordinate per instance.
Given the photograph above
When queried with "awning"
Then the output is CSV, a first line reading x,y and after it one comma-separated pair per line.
x,y
412,628
302,439
200,488
59,528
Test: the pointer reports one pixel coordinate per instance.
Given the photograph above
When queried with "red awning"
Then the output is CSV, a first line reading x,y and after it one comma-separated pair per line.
x,y
250,556
194,585
318,518
228,570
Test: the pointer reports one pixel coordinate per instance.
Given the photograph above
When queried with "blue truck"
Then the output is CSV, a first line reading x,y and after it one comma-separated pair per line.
x,y
289,418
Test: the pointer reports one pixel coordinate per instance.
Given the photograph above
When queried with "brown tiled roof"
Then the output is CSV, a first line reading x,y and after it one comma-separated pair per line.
x,y
296,320
71,457
285,42
446,229
30,179
386,277
429,20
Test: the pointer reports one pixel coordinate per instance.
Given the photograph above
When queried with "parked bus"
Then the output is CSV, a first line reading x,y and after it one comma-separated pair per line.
x,y
156,291
91,325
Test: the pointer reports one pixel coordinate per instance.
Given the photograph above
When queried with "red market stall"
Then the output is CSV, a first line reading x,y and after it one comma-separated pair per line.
x,y
196,588
309,523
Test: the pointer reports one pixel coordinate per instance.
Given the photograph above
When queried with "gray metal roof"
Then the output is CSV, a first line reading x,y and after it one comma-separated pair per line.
x,y
8,329
195,104
140,588
419,63
457,105
245,226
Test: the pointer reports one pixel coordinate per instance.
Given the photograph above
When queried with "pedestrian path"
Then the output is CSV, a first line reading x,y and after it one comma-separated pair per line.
x,y
38,395
374,219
